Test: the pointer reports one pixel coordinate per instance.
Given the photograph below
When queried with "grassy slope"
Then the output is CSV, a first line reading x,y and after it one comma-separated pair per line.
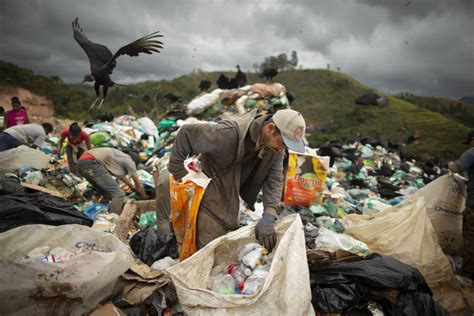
x,y
456,110
325,98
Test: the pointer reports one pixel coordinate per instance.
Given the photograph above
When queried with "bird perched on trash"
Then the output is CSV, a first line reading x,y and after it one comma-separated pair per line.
x,y
240,77
290,96
269,74
205,84
103,62
223,82
172,97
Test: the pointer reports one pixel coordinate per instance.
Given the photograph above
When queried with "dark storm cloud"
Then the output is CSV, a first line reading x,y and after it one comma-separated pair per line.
x,y
419,46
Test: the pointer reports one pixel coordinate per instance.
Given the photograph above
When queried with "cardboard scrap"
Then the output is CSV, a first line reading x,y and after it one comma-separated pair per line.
x,y
139,282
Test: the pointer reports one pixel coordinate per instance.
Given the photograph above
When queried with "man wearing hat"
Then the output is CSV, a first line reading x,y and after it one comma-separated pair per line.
x,y
243,156
465,163
16,116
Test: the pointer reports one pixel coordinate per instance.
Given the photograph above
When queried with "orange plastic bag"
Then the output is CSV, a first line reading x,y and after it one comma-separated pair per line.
x,y
305,179
185,201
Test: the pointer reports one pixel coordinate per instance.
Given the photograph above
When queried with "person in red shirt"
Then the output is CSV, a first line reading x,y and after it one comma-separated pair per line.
x,y
17,116
78,142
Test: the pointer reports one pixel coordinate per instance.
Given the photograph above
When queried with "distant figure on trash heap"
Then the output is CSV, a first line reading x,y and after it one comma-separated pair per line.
x,y
242,156
465,163
240,77
269,74
98,165
17,115
205,84
32,135
78,141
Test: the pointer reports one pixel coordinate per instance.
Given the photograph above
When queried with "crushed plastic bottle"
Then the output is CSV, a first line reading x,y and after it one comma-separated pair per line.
x,y
254,283
223,284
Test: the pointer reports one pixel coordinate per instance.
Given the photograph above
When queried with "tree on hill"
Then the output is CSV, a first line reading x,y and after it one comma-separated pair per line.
x,y
280,61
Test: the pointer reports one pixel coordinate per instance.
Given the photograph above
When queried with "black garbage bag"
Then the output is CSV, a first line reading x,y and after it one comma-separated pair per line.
x,y
37,208
10,185
414,303
338,287
149,245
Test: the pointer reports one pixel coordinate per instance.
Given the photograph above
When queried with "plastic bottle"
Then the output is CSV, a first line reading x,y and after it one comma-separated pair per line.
x,y
248,248
253,258
255,282
238,275
223,284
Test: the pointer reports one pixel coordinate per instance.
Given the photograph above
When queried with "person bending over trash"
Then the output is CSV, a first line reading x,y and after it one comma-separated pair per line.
x,y
242,156
98,165
466,163
17,115
78,142
32,135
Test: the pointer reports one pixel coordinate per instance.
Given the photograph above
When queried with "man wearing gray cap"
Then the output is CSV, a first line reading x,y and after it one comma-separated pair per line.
x,y
242,156
465,163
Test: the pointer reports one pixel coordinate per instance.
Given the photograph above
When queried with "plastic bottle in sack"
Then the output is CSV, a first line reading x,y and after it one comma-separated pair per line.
x,y
255,257
223,284
255,282
238,274
248,248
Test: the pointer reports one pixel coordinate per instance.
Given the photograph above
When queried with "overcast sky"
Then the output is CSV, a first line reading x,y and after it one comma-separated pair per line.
x,y
425,47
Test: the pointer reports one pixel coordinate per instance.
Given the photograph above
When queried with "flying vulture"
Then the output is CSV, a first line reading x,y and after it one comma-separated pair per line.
x,y
103,62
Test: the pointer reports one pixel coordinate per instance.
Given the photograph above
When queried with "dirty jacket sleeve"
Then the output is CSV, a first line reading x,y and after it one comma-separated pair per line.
x,y
213,139
273,187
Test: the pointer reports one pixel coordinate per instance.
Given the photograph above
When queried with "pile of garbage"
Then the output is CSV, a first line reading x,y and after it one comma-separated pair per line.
x,y
361,228
259,96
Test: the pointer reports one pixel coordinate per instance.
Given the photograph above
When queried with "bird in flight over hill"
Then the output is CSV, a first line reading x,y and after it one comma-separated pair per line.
x,y
103,62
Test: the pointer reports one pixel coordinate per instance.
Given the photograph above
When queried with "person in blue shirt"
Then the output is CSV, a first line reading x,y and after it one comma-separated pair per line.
x,y
465,163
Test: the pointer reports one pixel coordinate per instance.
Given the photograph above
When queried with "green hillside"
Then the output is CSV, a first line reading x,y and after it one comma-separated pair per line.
x,y
456,110
325,98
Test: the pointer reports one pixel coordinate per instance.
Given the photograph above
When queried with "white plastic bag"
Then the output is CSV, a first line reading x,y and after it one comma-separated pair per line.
x,y
22,156
30,286
200,104
328,238
148,126
373,206
286,290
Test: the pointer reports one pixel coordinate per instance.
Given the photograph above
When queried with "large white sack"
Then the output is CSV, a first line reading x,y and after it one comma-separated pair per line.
x,y
406,233
286,290
22,156
201,103
35,287
445,198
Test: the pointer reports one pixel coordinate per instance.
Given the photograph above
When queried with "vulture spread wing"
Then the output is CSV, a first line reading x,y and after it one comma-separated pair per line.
x,y
98,54
146,44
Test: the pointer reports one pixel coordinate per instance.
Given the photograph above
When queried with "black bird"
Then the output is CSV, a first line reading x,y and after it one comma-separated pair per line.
x,y
233,84
205,84
172,97
269,74
240,77
223,82
103,62
290,96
